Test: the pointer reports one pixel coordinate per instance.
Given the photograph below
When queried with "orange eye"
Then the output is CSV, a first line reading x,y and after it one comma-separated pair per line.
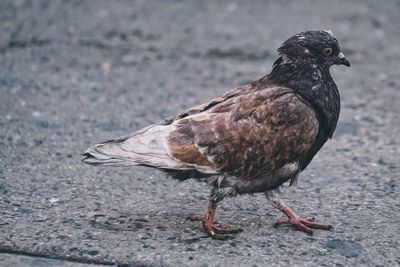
x,y
327,51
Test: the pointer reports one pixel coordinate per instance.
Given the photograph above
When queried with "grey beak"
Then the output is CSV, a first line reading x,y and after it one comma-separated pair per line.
x,y
342,60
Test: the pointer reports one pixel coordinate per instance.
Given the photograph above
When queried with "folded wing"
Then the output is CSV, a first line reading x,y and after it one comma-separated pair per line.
x,y
248,135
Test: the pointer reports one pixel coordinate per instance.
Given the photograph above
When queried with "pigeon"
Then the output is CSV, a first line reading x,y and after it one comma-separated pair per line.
x,y
252,139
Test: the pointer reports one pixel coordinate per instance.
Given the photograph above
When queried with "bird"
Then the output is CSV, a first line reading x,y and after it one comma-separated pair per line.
x,y
252,139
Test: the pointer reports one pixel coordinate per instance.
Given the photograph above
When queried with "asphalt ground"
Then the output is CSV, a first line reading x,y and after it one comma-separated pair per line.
x,y
74,73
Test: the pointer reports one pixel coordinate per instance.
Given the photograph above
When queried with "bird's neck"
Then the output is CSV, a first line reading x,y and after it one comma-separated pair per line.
x,y
315,84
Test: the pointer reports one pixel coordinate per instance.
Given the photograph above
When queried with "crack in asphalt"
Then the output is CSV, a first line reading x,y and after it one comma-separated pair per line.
x,y
67,259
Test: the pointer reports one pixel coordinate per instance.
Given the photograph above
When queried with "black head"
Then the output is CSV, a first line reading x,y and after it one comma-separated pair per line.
x,y
319,47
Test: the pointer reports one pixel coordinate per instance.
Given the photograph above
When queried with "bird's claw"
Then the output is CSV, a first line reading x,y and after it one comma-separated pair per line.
x,y
215,229
196,218
305,225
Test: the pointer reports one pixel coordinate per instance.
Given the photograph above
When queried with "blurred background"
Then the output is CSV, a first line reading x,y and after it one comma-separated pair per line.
x,y
74,73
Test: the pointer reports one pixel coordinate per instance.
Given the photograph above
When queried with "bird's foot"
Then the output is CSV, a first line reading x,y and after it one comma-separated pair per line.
x,y
213,228
305,225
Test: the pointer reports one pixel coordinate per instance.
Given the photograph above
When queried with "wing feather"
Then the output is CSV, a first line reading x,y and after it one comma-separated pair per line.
x,y
248,134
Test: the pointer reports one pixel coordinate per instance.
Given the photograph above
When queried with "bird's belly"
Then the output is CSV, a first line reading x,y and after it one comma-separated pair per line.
x,y
268,181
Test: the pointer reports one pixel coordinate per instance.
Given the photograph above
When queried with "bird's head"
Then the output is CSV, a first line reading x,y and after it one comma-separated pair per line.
x,y
320,47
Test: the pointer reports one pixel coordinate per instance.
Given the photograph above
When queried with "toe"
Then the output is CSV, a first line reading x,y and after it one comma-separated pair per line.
x,y
304,228
314,225
282,221
196,218
214,229
310,219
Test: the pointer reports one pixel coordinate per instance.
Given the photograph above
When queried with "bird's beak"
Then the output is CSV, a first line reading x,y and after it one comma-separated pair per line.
x,y
342,60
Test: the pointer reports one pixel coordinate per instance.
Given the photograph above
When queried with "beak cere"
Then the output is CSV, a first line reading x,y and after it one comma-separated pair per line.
x,y
343,60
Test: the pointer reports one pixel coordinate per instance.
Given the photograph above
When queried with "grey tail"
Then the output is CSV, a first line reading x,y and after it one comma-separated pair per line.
x,y
147,146
93,157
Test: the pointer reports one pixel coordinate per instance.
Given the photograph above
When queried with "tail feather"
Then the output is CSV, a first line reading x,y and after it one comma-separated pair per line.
x,y
97,160
145,147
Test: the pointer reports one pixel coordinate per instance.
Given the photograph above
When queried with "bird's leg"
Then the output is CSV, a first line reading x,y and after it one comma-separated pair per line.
x,y
214,228
210,226
305,225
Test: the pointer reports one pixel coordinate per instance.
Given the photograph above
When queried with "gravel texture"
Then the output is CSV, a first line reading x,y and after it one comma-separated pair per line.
x,y
74,73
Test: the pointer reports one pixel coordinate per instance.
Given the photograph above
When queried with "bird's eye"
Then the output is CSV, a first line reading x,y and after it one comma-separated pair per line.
x,y
327,51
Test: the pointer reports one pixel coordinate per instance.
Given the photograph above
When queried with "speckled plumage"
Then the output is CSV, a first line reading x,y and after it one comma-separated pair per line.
x,y
251,139
251,136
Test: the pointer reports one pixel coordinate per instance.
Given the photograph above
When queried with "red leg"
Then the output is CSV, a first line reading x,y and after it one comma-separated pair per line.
x,y
306,225
210,226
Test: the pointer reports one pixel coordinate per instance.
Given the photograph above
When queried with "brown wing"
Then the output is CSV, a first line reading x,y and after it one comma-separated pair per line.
x,y
254,86
205,106
246,135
